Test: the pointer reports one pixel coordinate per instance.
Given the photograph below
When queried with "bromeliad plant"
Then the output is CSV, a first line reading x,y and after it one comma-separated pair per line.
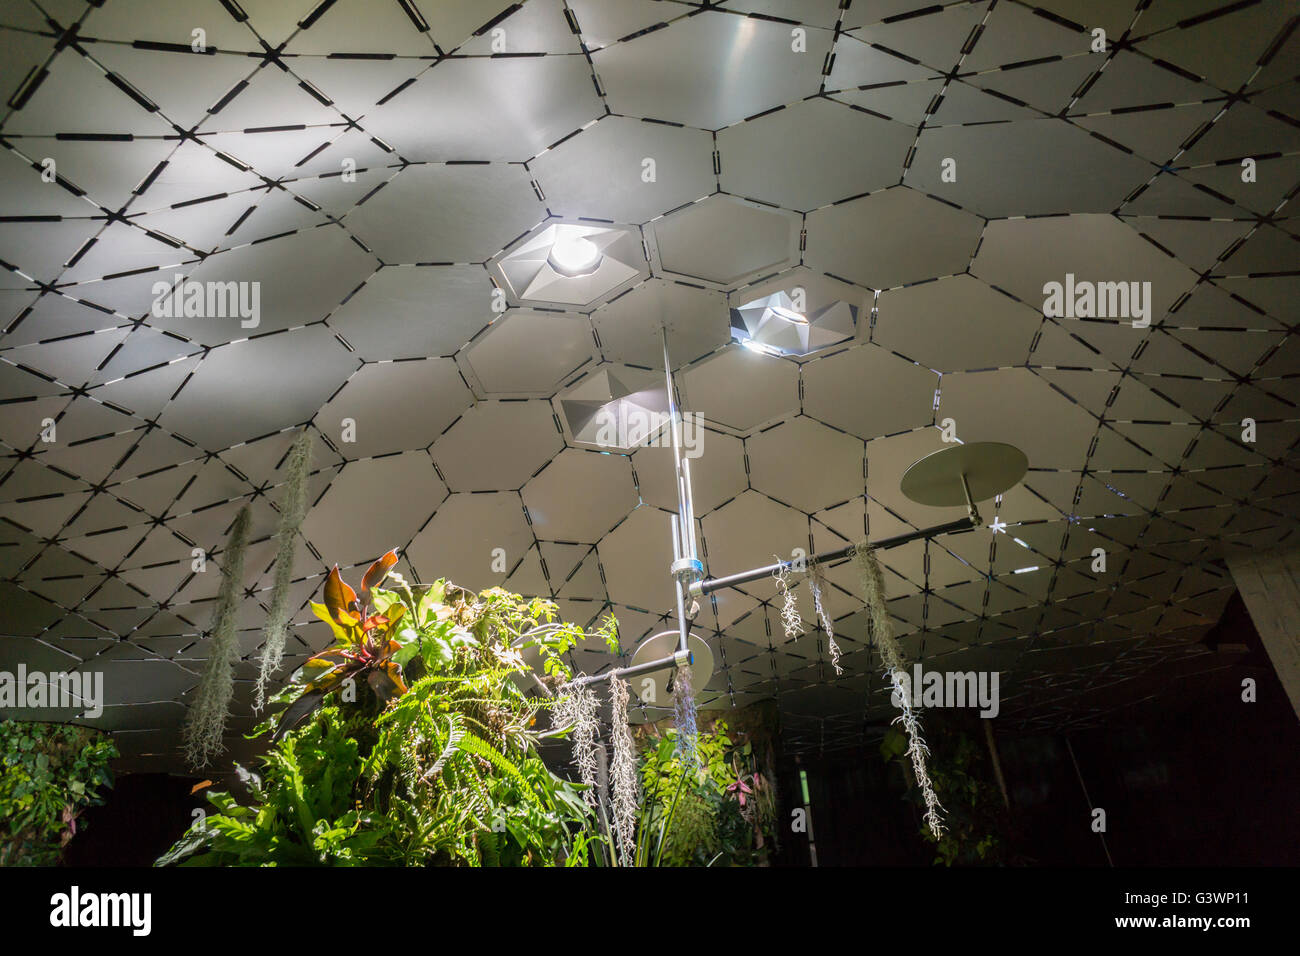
x,y
369,643
412,740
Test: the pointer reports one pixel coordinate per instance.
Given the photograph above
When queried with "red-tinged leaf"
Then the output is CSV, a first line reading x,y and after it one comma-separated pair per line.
x,y
376,573
328,658
331,679
374,621
386,682
395,675
200,785
339,598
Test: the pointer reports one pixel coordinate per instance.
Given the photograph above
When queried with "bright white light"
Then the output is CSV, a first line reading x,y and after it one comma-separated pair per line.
x,y
1024,570
759,347
790,315
574,256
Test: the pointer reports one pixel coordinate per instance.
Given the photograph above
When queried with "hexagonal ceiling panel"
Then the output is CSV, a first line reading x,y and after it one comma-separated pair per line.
x,y
712,70
891,238
724,241
446,213
810,154
556,346
942,169
627,170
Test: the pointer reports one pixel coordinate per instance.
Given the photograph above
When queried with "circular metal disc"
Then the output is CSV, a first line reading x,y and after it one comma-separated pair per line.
x,y
990,468
654,687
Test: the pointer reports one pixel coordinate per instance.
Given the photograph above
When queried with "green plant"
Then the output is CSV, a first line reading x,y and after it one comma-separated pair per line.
x,y
657,824
724,807
373,645
52,773
974,818
434,762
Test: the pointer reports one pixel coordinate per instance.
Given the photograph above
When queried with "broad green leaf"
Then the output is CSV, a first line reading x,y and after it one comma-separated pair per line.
x,y
406,653
344,629
385,601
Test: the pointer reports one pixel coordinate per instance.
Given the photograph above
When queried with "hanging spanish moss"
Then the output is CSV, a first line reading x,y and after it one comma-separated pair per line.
x,y
577,709
882,626
684,715
816,584
293,508
623,775
791,622
206,722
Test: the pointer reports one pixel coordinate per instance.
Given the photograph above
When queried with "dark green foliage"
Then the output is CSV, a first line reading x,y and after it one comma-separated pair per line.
x,y
52,772
974,815
444,773
725,811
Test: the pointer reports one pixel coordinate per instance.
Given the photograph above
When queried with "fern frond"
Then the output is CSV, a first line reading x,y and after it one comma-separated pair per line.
x,y
481,748
455,734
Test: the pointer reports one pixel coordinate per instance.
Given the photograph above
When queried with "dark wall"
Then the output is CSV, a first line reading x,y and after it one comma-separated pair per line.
x,y
1204,785
1190,779
144,815
858,818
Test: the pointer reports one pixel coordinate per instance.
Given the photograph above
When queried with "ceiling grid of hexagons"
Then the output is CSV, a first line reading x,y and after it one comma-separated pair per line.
x,y
379,170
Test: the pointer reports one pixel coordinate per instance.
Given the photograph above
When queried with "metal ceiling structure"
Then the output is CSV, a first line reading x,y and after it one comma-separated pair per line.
x,y
374,166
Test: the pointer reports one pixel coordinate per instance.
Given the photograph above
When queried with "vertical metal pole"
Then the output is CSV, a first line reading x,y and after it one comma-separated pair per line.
x,y
690,507
807,810
681,591
970,505
683,492
685,562
997,762
602,773
1084,787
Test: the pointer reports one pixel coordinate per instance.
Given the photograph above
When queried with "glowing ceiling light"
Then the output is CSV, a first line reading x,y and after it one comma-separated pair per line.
x,y
619,409
777,327
790,315
574,256
566,263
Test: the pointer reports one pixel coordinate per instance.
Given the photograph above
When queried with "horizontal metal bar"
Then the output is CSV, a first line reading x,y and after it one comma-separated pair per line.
x,y
626,671
701,588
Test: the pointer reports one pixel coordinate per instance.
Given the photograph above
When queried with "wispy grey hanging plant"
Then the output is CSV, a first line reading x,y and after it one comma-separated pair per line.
x,y
684,716
206,722
895,667
576,709
816,584
623,776
293,508
791,622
